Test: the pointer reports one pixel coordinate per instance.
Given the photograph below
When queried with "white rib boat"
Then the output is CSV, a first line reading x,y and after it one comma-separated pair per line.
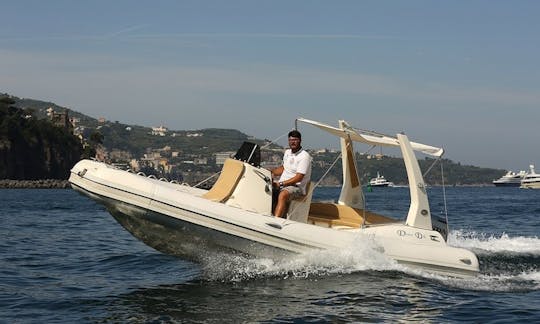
x,y
235,214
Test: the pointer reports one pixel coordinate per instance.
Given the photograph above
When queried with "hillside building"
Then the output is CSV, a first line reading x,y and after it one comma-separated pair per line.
x,y
159,131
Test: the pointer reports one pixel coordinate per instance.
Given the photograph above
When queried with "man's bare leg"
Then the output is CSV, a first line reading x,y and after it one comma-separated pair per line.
x,y
281,205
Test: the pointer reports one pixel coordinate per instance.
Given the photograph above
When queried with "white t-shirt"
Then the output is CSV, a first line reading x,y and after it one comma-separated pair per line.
x,y
293,163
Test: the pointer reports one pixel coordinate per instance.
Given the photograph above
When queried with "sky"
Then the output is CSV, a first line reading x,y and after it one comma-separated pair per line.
x,y
463,75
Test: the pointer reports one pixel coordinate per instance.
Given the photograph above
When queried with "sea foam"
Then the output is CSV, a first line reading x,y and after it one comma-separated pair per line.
x,y
482,242
364,254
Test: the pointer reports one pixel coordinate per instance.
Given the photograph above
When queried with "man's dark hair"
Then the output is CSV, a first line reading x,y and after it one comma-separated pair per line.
x,y
295,133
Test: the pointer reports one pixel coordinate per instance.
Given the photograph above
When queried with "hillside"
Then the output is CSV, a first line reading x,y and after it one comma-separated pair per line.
x,y
32,149
393,169
203,144
138,139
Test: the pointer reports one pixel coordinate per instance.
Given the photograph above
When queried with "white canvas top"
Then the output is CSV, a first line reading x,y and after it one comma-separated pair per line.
x,y
372,138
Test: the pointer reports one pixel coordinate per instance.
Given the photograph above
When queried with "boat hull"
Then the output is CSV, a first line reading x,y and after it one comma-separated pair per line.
x,y
530,185
187,239
531,180
506,184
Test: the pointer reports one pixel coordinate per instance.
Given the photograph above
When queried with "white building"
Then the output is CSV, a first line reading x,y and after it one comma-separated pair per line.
x,y
159,131
222,156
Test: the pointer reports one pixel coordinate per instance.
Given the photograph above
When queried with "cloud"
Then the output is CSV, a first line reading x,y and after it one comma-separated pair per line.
x,y
191,97
126,34
260,35
67,72
124,31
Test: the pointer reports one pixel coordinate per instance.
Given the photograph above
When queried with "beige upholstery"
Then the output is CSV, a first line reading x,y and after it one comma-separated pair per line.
x,y
330,215
228,179
299,207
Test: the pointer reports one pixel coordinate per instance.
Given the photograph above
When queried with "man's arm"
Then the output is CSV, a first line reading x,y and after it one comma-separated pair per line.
x,y
294,180
289,182
277,171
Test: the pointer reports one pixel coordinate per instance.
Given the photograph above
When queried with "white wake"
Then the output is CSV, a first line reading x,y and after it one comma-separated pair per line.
x,y
366,255
363,255
494,243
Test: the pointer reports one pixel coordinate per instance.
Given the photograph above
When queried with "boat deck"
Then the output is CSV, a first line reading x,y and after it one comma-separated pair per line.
x,y
334,215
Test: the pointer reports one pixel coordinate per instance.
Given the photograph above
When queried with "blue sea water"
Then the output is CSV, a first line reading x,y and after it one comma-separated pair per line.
x,y
63,258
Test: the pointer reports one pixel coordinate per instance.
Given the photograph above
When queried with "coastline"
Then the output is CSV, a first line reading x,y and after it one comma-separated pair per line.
x,y
34,184
64,184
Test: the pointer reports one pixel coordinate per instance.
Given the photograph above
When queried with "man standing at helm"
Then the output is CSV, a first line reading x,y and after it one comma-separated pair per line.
x,y
294,174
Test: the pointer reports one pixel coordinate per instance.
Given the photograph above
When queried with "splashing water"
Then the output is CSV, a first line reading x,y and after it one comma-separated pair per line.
x,y
503,243
364,254
509,264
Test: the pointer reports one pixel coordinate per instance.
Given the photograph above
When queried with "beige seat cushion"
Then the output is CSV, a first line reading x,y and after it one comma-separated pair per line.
x,y
228,179
341,215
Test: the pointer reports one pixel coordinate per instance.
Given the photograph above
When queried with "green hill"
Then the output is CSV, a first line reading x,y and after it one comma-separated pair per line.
x,y
32,148
204,143
138,140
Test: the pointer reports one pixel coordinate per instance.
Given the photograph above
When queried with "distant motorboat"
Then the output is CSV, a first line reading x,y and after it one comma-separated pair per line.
x,y
531,180
510,179
380,181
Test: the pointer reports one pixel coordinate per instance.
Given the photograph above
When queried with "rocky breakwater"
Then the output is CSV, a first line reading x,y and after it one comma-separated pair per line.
x,y
35,184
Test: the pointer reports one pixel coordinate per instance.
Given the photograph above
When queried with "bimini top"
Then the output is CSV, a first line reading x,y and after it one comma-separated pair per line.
x,y
372,138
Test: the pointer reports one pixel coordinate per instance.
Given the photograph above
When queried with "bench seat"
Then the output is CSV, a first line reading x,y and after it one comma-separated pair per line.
x,y
333,215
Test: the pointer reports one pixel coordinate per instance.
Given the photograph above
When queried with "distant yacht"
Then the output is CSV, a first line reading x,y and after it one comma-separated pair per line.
x,y
531,180
380,181
510,179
